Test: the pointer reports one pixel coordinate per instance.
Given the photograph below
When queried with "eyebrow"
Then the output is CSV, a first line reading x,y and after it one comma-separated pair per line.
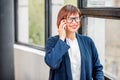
x,y
74,17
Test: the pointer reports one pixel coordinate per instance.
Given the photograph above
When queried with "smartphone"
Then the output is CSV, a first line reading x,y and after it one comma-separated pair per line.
x,y
64,20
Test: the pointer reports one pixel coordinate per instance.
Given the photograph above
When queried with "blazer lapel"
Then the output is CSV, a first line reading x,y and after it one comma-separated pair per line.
x,y
82,51
68,66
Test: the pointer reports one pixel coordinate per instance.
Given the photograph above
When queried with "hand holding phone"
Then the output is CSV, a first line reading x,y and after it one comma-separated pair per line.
x,y
62,30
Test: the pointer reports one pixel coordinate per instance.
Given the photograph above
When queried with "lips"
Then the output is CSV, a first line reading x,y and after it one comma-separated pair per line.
x,y
74,27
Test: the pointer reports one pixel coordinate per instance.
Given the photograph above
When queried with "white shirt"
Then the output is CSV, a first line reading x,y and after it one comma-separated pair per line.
x,y
75,58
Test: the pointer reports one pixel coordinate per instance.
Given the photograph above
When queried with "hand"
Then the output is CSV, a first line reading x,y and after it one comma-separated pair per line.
x,y
62,30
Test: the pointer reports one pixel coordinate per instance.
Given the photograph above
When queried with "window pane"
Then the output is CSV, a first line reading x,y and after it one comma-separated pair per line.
x,y
101,3
36,22
31,22
106,35
73,2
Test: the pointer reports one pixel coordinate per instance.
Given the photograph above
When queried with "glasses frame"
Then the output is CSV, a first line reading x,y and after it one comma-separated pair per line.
x,y
76,19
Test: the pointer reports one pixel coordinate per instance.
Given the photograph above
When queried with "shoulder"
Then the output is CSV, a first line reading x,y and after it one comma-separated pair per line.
x,y
52,40
56,37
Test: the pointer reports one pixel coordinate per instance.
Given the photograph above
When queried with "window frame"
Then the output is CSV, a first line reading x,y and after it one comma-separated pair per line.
x,y
47,25
104,12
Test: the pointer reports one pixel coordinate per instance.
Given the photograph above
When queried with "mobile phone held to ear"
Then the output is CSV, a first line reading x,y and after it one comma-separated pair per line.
x,y
64,24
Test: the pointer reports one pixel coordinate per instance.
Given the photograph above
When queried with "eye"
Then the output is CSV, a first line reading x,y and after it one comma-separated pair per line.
x,y
77,18
70,18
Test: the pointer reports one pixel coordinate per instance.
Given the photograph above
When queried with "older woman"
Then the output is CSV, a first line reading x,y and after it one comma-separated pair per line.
x,y
70,55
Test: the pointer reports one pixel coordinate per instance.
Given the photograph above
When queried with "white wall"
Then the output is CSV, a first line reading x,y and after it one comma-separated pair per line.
x,y
29,64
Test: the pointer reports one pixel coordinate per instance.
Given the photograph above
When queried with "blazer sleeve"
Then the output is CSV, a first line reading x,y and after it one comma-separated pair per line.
x,y
97,66
55,49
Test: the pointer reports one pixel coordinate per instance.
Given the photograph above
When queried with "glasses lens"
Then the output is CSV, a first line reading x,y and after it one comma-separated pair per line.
x,y
70,19
77,19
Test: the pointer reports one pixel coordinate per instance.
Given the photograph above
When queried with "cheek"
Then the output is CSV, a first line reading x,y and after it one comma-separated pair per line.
x,y
69,26
79,25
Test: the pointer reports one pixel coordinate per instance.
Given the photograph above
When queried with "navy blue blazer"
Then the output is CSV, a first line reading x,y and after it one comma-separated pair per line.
x,y
57,58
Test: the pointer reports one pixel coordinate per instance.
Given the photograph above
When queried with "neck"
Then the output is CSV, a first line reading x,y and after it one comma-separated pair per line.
x,y
71,36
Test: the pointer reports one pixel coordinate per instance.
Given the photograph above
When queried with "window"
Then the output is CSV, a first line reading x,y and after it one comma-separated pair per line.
x,y
31,22
105,33
101,3
37,22
73,2
95,28
101,20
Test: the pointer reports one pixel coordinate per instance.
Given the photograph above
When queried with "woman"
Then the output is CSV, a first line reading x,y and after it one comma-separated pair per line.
x,y
69,55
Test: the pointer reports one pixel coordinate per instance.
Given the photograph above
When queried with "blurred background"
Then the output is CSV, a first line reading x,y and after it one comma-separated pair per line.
x,y
25,25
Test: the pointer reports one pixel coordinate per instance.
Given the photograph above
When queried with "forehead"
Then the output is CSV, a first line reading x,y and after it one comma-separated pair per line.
x,y
73,15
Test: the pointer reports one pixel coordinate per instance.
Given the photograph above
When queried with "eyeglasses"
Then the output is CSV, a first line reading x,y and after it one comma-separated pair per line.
x,y
70,19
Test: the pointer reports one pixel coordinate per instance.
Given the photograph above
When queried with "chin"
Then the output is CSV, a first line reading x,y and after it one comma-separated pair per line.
x,y
74,30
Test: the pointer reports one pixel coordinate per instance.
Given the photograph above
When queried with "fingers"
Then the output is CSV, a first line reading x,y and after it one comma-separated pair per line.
x,y
62,24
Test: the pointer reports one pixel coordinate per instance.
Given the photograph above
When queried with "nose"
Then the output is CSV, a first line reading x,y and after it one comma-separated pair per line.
x,y
73,21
